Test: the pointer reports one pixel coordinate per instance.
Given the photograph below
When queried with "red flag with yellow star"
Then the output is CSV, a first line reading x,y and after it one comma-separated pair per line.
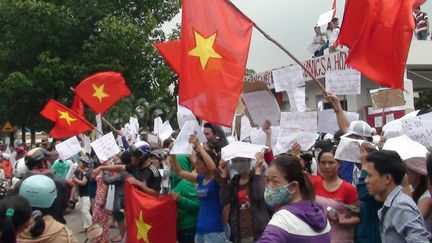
x,y
67,122
148,218
214,49
102,90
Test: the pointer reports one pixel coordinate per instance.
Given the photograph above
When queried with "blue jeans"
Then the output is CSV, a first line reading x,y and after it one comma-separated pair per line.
x,y
217,237
422,35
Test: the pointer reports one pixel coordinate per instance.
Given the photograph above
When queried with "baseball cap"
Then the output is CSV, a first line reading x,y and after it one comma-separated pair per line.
x,y
360,128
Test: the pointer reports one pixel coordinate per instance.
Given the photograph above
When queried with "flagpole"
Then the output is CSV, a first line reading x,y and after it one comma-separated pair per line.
x,y
268,37
108,123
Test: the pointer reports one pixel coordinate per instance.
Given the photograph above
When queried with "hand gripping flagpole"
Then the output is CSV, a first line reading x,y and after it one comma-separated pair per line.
x,y
268,37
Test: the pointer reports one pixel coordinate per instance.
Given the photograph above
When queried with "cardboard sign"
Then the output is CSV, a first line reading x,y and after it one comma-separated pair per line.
x,y
68,148
262,106
105,147
343,82
327,120
288,78
382,98
182,145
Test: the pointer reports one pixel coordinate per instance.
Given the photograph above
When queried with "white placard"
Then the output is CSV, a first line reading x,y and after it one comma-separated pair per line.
x,y
389,117
297,99
405,147
258,136
87,145
302,121
288,137
157,124
378,121
343,82
99,125
134,126
327,120
165,131
181,144
325,18
68,148
288,78
246,129
262,106
153,140
241,149
7,140
348,150
105,147
183,114
419,130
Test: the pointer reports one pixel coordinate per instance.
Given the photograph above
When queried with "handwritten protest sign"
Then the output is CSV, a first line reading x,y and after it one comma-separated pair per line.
x,y
105,147
325,18
258,136
87,145
418,129
241,149
343,82
303,121
182,145
327,121
405,147
165,130
134,126
288,137
68,148
288,78
349,149
297,99
262,106
246,129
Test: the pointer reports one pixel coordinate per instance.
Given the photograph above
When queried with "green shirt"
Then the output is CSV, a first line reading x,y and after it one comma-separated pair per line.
x,y
61,168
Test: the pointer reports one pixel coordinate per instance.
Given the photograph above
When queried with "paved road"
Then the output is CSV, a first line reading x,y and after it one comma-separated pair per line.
x,y
73,219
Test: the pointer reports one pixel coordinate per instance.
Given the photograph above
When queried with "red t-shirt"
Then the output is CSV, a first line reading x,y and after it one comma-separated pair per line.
x,y
346,193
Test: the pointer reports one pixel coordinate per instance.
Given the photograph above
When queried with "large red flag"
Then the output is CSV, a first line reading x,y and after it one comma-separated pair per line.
x,y
102,90
148,218
67,122
78,106
171,51
379,35
215,44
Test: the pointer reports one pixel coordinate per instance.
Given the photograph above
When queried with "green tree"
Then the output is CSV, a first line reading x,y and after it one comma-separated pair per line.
x,y
46,47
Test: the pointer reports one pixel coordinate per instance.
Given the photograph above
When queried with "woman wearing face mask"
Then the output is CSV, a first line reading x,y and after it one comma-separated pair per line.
x,y
338,197
298,218
245,194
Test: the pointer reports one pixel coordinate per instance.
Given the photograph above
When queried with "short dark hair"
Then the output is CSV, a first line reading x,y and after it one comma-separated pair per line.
x,y
209,125
335,19
291,168
388,162
429,166
15,211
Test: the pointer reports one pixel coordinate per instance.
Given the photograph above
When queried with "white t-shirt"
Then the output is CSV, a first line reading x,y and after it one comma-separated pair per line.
x,y
428,220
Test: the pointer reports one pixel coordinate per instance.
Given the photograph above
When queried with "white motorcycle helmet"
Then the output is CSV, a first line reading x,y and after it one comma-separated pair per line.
x,y
20,168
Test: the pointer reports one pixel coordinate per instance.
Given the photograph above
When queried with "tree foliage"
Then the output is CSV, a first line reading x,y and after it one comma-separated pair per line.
x,y
46,47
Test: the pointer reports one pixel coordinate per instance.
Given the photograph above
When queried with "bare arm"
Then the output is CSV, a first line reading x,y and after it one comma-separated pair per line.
x,y
192,177
117,168
81,182
208,161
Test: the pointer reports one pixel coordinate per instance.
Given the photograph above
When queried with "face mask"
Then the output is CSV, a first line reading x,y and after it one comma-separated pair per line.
x,y
278,196
241,167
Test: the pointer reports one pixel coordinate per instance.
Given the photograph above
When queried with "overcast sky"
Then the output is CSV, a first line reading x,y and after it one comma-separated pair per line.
x,y
288,21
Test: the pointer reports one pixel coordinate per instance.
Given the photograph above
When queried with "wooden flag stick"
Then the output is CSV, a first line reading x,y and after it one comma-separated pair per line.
x,y
108,123
268,37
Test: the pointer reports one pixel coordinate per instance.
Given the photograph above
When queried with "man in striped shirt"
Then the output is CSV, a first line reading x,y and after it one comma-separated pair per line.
x,y
422,24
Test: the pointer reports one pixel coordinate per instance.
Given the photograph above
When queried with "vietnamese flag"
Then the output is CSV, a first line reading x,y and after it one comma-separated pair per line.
x,y
102,90
78,106
148,218
67,122
379,35
215,44
171,51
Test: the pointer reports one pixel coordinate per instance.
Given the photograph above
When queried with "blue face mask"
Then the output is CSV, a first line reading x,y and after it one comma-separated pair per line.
x,y
278,196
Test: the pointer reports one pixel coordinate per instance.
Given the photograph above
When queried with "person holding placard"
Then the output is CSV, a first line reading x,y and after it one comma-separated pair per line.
x,y
245,195
82,179
298,218
209,226
339,198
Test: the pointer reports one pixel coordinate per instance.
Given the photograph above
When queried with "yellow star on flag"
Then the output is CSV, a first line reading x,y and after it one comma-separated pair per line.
x,y
65,115
99,92
143,229
204,49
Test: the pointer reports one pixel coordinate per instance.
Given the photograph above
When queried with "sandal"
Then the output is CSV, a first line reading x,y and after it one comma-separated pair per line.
x,y
118,238
82,231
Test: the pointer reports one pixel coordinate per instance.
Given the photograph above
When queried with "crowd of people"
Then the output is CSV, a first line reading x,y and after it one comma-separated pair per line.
x,y
303,195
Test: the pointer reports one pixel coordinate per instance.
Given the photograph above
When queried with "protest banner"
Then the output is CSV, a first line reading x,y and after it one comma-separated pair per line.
x,y
343,82
68,148
182,145
105,147
288,78
418,129
327,120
